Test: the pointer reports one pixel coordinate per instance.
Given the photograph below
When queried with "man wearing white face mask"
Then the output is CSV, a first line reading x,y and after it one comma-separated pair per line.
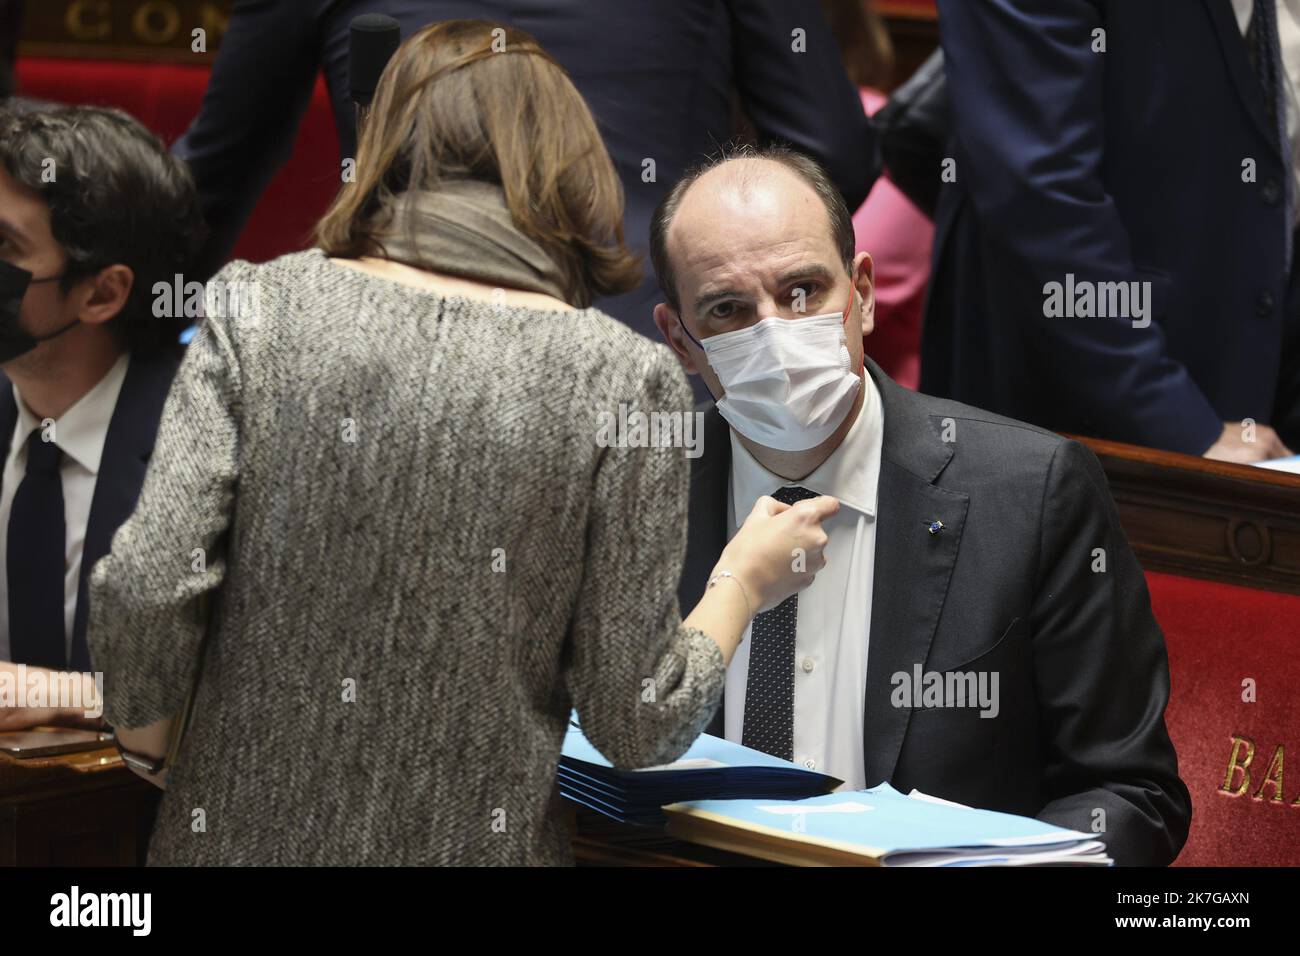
x,y
963,638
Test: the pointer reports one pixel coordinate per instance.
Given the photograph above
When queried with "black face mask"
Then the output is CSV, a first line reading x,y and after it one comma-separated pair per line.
x,y
13,286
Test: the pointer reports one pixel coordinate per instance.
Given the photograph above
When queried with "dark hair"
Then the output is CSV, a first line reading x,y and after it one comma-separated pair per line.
x,y
837,212
117,197
469,99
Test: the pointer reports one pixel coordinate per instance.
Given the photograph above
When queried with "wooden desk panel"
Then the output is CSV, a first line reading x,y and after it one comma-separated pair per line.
x,y
600,841
84,809
1206,519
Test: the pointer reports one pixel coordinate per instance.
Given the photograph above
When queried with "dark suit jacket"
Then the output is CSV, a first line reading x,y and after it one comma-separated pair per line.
x,y
1007,586
11,18
127,448
1125,165
657,76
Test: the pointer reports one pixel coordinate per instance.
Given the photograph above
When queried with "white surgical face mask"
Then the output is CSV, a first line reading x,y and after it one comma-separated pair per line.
x,y
789,382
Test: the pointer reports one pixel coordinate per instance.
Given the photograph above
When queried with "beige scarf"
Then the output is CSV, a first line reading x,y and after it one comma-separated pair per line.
x,y
464,228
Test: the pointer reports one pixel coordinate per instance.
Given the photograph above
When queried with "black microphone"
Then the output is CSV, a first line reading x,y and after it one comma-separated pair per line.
x,y
374,38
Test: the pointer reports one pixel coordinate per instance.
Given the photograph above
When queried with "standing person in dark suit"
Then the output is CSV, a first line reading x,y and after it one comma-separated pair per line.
x,y
968,550
85,364
659,78
11,22
11,18
1114,257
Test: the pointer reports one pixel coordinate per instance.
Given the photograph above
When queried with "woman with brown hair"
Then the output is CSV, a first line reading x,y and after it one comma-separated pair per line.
x,y
386,515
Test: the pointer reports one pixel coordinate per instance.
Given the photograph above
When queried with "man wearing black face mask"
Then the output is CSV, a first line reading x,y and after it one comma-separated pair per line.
x,y
15,340
93,213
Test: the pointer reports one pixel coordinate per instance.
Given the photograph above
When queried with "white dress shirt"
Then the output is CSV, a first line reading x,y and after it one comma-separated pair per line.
x,y
833,625
80,433
1288,35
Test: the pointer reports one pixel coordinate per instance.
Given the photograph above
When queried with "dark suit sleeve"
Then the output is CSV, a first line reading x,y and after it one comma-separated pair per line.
x,y
1102,675
803,98
1028,109
259,90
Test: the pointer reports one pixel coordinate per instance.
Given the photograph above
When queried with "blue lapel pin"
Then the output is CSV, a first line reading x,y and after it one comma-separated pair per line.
x,y
935,526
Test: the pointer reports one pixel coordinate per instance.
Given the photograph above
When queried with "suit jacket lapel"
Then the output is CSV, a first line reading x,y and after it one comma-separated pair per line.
x,y
8,418
913,566
1236,58
127,447
707,515
707,521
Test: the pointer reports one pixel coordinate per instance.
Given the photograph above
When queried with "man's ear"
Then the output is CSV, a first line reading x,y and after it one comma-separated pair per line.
x,y
670,327
864,280
105,293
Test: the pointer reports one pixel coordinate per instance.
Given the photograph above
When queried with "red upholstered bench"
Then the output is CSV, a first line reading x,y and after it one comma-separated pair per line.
x,y
165,97
1234,711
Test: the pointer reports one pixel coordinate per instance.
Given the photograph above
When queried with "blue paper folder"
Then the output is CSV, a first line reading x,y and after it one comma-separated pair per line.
x,y
712,768
881,826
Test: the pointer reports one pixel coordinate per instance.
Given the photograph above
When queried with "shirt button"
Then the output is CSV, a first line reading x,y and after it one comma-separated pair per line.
x,y
1271,191
1264,304
810,763
807,665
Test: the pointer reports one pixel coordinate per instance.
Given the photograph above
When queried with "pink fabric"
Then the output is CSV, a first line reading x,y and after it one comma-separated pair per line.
x,y
898,236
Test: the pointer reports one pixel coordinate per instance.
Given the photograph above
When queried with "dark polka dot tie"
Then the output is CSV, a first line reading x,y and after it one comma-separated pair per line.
x,y
769,686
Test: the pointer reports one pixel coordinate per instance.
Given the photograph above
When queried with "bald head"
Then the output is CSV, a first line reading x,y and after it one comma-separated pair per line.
x,y
738,192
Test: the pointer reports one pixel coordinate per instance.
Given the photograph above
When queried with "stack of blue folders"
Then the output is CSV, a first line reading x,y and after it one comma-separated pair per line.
x,y
881,827
713,769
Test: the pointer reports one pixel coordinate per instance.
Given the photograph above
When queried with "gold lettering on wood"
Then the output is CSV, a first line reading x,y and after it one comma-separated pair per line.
x,y
88,19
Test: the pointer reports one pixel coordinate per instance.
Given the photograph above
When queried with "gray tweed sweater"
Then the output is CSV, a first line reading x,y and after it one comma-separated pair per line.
x,y
418,557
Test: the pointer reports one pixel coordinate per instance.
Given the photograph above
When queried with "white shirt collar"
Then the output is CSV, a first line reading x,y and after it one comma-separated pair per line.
x,y
1243,9
80,432
851,473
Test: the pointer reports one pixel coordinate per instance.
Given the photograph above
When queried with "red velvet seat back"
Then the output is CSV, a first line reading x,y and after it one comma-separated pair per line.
x,y
165,97
1227,645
